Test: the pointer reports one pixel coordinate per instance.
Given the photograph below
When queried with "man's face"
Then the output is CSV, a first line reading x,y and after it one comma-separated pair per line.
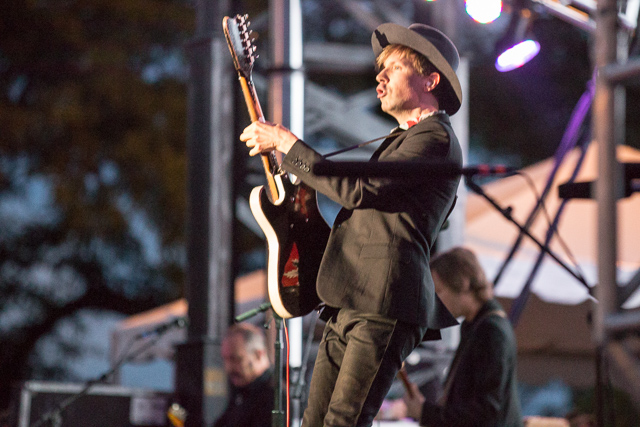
x,y
239,364
399,85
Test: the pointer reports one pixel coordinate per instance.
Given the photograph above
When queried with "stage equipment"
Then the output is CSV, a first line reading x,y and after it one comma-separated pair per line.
x,y
64,411
178,322
484,11
506,212
518,46
37,404
281,394
576,13
586,190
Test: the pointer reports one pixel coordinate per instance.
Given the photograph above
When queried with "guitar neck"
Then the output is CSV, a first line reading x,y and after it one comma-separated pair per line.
x,y
269,160
251,99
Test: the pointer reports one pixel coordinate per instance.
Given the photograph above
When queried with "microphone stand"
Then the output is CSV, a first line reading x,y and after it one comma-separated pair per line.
x,y
507,214
278,416
54,417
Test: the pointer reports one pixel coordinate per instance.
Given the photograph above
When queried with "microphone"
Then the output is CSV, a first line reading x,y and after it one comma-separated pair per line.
x,y
408,169
488,170
178,322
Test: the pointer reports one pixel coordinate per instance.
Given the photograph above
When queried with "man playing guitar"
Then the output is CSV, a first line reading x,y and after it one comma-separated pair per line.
x,y
374,276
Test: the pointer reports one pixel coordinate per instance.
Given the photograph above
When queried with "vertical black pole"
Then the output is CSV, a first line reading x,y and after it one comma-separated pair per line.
x,y
200,380
278,415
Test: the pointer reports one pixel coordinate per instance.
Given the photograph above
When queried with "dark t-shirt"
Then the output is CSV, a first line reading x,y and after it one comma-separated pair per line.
x,y
250,406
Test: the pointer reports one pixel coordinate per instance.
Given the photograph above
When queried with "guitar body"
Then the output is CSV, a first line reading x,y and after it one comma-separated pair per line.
x,y
296,238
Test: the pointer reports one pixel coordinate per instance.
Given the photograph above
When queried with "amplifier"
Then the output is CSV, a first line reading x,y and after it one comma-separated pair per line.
x,y
101,406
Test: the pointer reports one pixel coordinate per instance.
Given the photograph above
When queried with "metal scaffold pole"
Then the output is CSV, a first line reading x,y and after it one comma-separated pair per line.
x,y
608,191
286,106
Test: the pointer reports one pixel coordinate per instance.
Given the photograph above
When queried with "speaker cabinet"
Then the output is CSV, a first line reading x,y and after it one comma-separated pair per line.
x,y
62,404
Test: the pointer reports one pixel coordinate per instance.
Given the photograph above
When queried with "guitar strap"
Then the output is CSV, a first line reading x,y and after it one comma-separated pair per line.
x,y
362,144
398,131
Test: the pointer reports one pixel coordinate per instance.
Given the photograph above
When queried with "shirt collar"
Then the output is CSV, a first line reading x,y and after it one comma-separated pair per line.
x,y
412,122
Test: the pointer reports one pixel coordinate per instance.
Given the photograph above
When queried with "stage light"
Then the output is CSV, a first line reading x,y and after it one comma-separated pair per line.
x,y
483,11
517,56
518,46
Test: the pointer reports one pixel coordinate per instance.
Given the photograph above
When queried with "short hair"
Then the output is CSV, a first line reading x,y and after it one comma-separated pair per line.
x,y
252,336
420,62
460,271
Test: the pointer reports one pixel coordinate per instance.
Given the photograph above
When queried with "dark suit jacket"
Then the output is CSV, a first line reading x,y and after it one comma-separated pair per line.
x,y
377,257
484,387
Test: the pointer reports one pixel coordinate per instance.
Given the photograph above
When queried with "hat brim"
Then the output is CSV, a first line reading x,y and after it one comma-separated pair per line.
x,y
450,99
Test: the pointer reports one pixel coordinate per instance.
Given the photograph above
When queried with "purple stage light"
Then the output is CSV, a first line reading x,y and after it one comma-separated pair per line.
x,y
517,55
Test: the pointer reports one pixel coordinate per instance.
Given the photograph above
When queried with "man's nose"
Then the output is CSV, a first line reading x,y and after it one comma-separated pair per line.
x,y
382,75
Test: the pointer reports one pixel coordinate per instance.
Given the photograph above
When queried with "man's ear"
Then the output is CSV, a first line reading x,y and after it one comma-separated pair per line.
x,y
432,82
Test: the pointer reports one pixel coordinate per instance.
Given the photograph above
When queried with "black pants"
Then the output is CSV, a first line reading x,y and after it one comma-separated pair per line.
x,y
358,358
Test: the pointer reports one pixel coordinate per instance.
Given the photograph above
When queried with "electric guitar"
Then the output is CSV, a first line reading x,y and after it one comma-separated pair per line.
x,y
288,214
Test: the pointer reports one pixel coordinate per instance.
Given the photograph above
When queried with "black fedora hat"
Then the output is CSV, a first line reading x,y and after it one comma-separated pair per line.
x,y
436,47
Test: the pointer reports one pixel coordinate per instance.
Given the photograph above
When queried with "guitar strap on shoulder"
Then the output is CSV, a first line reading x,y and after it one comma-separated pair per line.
x,y
362,144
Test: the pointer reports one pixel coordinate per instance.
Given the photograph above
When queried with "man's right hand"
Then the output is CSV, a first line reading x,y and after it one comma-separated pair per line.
x,y
414,402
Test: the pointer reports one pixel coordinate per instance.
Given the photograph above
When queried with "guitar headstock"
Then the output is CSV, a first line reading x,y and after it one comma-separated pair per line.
x,y
238,35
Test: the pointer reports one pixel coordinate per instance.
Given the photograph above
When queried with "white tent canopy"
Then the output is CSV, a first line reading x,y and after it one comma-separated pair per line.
x,y
250,291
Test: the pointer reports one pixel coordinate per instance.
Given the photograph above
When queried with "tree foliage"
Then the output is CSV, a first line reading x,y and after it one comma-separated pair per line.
x,y
92,163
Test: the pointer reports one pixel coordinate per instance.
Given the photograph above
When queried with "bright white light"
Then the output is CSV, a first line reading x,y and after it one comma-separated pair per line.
x,y
484,11
517,56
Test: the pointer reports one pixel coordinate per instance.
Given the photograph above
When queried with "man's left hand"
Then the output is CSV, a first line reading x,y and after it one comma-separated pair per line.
x,y
262,137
